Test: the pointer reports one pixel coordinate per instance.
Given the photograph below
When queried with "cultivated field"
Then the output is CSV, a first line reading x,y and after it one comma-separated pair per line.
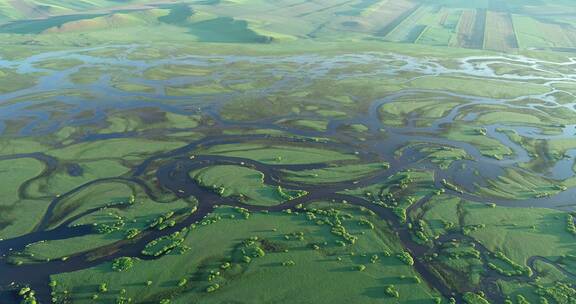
x,y
478,24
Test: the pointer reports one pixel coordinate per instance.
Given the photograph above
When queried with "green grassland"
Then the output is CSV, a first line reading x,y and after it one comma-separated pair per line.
x,y
513,236
147,119
277,154
395,113
18,213
245,183
488,146
170,71
515,184
121,220
520,233
115,148
61,181
58,64
398,192
280,238
133,87
97,196
443,156
13,81
335,174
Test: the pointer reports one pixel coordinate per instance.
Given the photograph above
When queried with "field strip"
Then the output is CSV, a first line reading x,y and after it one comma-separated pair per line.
x,y
409,29
471,29
325,8
500,33
383,32
374,8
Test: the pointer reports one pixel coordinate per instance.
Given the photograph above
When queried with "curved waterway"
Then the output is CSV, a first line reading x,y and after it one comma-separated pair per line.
x,y
379,143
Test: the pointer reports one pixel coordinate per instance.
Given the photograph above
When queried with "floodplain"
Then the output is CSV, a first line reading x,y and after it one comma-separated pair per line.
x,y
426,156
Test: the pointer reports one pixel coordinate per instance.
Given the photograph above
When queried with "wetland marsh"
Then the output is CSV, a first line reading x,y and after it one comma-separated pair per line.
x,y
234,171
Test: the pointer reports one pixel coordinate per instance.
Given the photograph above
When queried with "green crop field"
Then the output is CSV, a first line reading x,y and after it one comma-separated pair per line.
x,y
287,151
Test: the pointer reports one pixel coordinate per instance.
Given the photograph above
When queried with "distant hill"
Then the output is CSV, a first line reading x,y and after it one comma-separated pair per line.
x,y
478,24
